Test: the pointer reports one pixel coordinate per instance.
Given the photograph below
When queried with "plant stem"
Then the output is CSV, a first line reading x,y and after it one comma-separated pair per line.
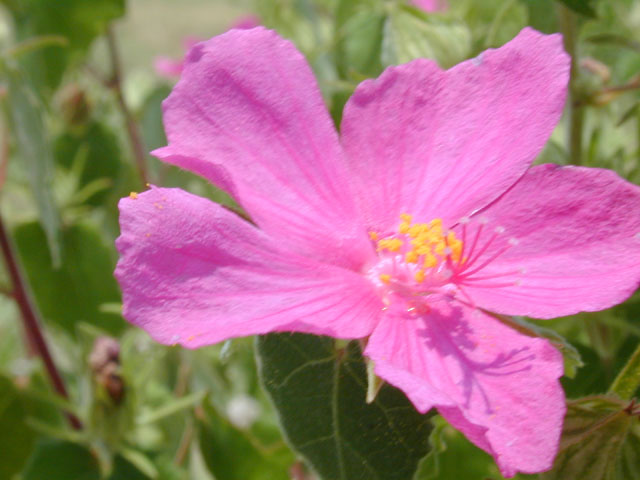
x,y
569,27
135,139
30,321
628,380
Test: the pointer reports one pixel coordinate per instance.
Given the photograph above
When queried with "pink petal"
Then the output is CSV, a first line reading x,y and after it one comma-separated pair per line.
x,y
247,114
194,273
496,385
442,144
167,67
578,233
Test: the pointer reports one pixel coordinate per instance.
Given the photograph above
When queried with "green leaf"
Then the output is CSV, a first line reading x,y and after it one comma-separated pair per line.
x,y
231,455
359,33
319,393
16,440
123,469
79,21
85,281
598,441
34,151
172,408
95,146
411,33
56,460
584,7
628,380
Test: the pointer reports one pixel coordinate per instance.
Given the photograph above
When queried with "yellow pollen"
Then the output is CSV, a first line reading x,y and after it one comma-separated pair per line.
x,y
133,195
419,276
411,257
391,244
385,277
428,241
430,261
373,236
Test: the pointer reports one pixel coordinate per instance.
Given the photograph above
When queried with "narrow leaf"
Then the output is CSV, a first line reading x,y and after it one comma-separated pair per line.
x,y
34,151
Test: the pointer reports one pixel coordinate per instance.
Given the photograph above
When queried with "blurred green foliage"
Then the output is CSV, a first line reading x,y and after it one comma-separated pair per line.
x,y
155,412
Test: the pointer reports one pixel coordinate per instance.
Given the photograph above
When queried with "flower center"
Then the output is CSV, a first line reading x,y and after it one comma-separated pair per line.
x,y
418,259
421,260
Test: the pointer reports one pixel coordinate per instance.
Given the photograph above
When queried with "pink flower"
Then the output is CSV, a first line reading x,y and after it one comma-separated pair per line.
x,y
407,230
431,5
171,68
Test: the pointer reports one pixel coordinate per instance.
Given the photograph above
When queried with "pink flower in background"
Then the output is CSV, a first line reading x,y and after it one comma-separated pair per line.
x,y
422,217
431,5
171,68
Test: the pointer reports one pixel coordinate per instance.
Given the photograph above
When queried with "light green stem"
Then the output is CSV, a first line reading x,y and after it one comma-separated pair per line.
x,y
569,27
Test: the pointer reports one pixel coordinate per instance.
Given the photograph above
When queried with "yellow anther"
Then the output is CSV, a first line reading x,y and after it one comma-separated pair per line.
x,y
411,257
406,217
391,244
404,227
385,277
419,276
373,236
133,195
430,261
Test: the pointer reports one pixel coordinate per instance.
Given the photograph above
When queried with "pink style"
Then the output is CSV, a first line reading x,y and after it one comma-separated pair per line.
x,y
406,230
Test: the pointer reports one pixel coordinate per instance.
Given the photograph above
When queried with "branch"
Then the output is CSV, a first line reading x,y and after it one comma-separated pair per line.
x,y
137,147
30,321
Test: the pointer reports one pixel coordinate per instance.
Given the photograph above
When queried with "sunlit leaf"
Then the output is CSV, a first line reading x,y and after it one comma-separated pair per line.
x,y
410,33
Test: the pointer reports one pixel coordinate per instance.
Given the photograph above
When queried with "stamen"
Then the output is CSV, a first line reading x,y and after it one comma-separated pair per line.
x,y
385,277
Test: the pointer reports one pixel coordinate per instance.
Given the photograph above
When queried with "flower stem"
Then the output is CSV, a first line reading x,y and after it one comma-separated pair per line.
x,y
569,27
132,129
628,380
30,321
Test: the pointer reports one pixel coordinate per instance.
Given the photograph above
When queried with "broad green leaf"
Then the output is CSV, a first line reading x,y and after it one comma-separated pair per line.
x,y
93,151
85,281
79,21
56,460
584,7
410,33
16,438
230,454
597,443
319,393
34,151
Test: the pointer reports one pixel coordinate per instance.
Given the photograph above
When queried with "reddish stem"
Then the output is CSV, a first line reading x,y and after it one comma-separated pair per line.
x,y
30,321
